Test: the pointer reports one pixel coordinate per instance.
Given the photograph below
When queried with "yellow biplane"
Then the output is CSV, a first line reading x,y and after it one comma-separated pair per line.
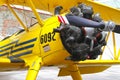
x,y
42,44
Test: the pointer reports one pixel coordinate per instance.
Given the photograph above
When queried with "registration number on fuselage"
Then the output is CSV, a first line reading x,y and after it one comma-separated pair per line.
x,y
48,37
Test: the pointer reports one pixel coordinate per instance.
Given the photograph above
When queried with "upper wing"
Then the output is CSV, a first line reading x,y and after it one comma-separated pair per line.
x,y
47,5
106,12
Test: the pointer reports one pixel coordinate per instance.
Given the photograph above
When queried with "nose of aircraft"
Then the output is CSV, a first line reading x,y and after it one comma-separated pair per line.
x,y
71,37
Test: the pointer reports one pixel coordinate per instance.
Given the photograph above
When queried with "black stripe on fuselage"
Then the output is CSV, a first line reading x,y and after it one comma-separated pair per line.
x,y
22,48
19,49
4,54
6,49
16,60
22,43
9,44
22,54
29,41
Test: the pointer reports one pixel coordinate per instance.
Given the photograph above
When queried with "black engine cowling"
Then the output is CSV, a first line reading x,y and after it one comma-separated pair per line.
x,y
78,44
71,37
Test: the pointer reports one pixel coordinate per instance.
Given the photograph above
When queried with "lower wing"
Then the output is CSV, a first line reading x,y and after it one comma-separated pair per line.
x,y
7,64
86,67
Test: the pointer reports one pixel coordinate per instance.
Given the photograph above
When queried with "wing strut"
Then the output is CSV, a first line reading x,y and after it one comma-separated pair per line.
x,y
26,29
118,54
36,13
114,44
34,69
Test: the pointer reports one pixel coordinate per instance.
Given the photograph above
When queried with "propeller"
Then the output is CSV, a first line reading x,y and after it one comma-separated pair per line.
x,y
103,26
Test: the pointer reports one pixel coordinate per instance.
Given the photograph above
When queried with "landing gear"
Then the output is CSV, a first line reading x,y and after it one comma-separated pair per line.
x,y
74,72
34,69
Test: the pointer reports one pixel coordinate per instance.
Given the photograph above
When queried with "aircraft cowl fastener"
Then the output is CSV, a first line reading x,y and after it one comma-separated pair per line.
x,y
61,28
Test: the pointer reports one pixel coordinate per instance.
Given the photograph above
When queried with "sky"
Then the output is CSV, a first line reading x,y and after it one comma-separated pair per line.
x,y
109,48
113,3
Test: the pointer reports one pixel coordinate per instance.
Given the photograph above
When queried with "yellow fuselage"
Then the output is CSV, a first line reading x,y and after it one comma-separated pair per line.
x,y
37,42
